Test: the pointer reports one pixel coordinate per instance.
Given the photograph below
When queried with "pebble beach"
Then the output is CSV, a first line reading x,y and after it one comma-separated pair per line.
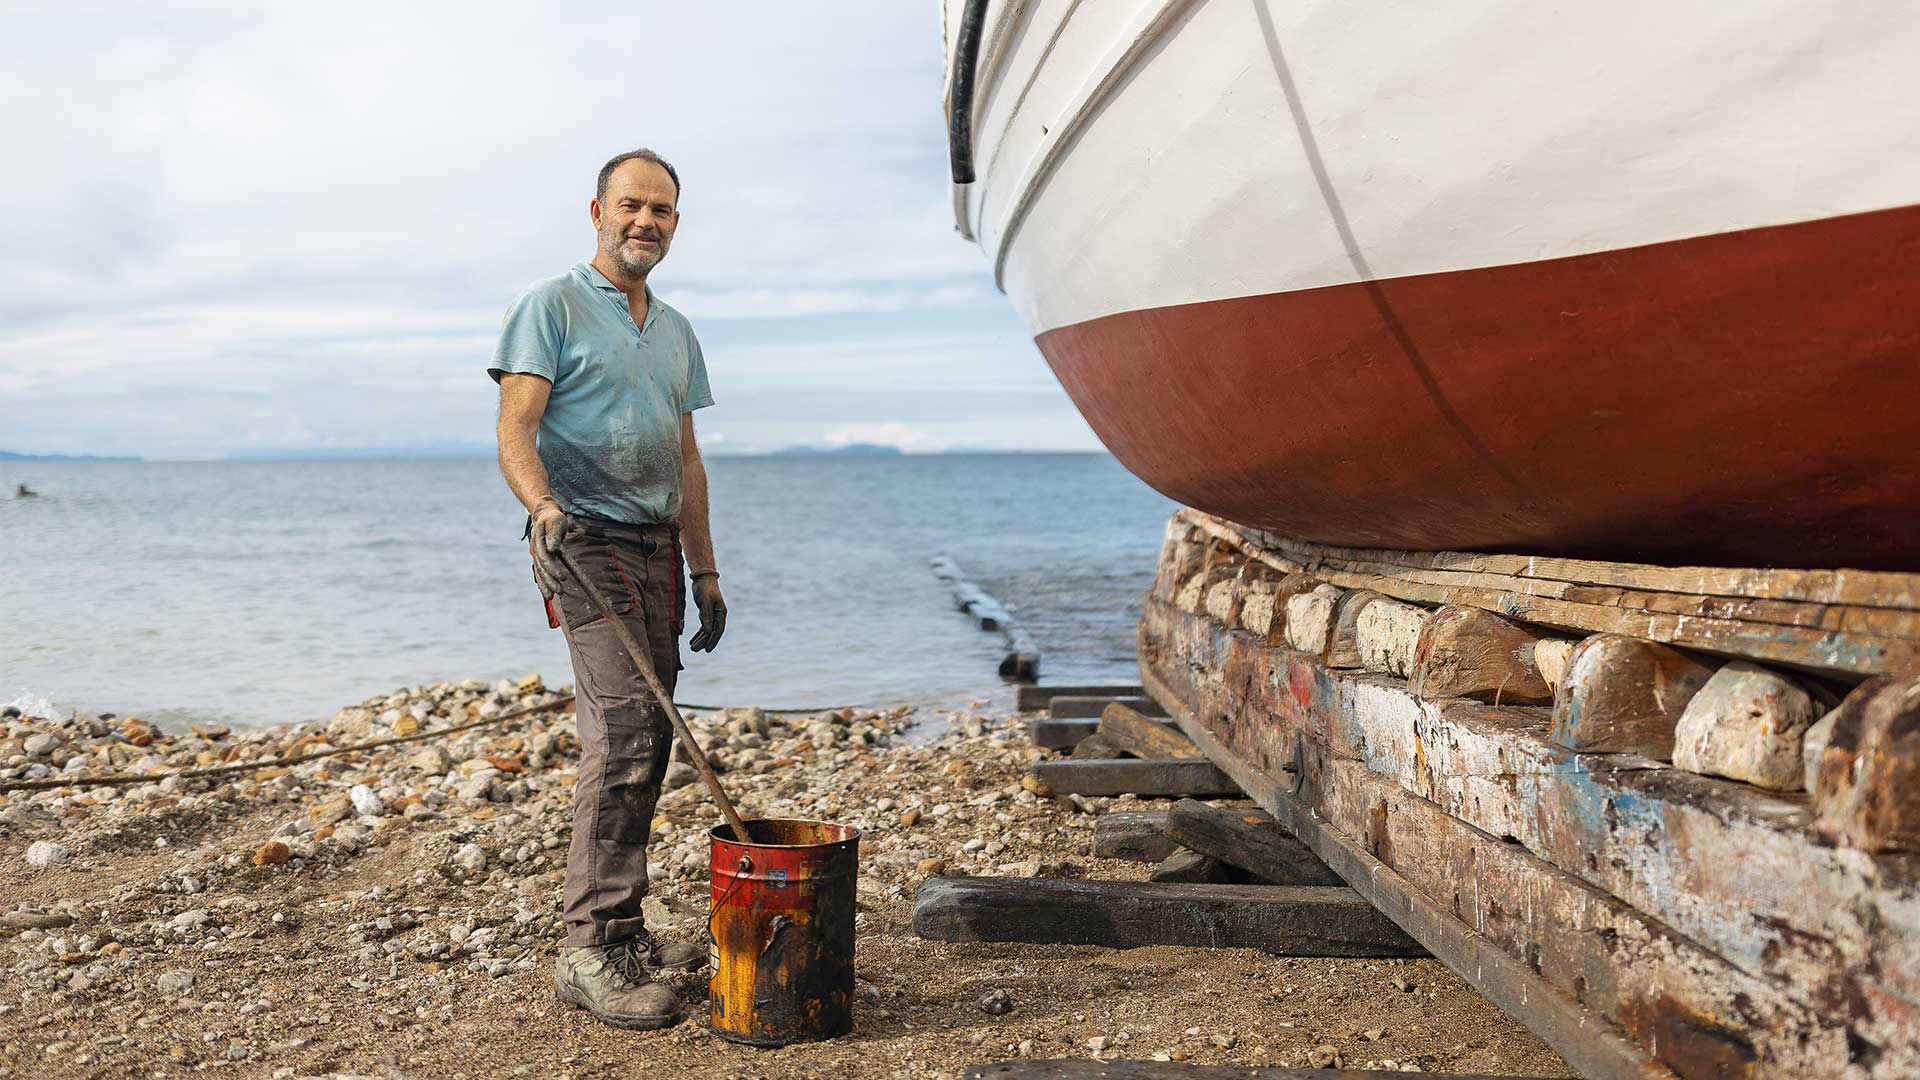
x,y
394,911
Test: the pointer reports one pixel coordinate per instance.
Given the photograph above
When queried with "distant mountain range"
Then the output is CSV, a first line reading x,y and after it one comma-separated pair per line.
x,y
9,455
850,448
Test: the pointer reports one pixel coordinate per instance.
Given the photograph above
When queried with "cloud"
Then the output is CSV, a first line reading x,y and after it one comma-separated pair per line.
x,y
322,210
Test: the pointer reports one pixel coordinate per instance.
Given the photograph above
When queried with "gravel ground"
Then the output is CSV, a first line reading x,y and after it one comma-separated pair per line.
x,y
393,912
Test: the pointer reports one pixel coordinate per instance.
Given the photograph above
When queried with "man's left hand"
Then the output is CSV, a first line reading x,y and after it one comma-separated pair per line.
x,y
713,613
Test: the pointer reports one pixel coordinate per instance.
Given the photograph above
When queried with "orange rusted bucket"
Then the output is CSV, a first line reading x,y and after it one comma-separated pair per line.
x,y
782,931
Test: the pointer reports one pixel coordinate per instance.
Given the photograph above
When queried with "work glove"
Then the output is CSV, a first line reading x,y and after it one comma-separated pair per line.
x,y
550,526
713,612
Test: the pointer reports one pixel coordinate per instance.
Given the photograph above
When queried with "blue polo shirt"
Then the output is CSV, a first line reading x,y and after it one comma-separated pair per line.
x,y
610,438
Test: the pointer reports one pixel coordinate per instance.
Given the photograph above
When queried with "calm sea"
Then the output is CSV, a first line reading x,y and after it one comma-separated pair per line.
x,y
252,592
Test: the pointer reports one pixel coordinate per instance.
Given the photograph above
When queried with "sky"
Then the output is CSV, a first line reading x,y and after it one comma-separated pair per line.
x,y
247,229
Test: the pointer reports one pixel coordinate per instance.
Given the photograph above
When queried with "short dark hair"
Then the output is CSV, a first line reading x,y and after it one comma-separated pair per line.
x,y
642,154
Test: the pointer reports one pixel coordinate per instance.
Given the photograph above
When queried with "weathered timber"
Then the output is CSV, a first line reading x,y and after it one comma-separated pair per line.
x,y
1622,695
1121,777
1181,552
1814,747
1829,588
1133,835
1467,652
1028,698
1387,635
1310,618
1050,734
1126,1069
1697,1014
1222,601
1021,661
1868,788
1143,736
1746,723
1282,920
1855,641
1191,866
1076,706
1249,839
1550,655
1097,747
1808,924
1343,640
1588,1043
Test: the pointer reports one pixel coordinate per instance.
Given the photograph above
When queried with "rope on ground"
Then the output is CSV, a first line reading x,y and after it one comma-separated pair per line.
x,y
296,759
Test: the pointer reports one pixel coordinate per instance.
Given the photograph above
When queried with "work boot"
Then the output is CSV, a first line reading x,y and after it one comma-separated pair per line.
x,y
610,982
658,956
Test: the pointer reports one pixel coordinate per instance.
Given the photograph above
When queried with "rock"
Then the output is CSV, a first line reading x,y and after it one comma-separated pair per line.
x,y
41,745
331,811
47,853
1226,1042
471,856
1324,1056
432,760
353,722
365,802
678,775
909,819
974,844
189,921
177,981
1033,783
932,867
1099,1043
996,1002
477,788
272,853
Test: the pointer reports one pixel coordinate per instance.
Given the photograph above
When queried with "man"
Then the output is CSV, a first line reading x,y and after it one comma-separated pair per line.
x,y
598,383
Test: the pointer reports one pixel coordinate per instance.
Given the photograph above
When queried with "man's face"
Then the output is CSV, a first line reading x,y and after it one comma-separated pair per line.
x,y
637,218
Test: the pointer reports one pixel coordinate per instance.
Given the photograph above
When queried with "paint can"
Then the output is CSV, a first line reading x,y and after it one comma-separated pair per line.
x,y
781,931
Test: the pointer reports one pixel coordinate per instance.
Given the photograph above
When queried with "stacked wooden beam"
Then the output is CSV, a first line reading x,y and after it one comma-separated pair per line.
x,y
1224,879
1526,789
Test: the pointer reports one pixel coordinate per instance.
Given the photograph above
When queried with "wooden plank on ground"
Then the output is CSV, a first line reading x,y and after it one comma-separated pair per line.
x,y
1028,698
1248,838
1127,777
1137,836
1050,734
1277,919
1142,736
1126,1069
1074,706
1772,953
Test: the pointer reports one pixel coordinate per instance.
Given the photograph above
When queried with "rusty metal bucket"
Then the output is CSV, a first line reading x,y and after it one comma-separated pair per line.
x,y
781,929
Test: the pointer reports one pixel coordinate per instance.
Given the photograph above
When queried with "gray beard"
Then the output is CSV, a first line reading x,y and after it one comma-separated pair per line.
x,y
635,266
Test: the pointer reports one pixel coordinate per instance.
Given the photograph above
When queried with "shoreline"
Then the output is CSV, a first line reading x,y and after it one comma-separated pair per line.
x,y
397,909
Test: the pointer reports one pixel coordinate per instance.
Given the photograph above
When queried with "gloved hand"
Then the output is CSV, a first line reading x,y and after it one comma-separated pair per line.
x,y
713,613
550,525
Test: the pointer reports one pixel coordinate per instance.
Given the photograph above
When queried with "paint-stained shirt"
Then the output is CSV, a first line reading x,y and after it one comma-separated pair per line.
x,y
610,437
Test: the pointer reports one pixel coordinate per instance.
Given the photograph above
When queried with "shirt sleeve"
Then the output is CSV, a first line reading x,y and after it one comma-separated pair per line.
x,y
530,339
699,394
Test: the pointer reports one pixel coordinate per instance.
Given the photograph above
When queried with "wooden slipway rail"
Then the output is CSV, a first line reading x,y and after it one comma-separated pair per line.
x,y
1644,920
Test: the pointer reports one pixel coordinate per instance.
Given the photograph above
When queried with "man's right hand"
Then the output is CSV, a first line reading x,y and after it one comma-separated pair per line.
x,y
550,524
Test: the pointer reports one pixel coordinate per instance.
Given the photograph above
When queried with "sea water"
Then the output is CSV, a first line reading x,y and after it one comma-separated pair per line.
x,y
260,592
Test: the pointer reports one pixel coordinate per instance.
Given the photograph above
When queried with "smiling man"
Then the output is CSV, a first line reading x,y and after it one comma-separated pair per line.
x,y
598,383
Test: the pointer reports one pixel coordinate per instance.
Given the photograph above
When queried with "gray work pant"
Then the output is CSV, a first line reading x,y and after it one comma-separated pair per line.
x,y
625,737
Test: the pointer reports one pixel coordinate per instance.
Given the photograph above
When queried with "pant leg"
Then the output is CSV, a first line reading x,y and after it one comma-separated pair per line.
x,y
624,735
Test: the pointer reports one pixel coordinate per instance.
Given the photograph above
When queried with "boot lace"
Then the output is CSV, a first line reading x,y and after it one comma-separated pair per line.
x,y
630,959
